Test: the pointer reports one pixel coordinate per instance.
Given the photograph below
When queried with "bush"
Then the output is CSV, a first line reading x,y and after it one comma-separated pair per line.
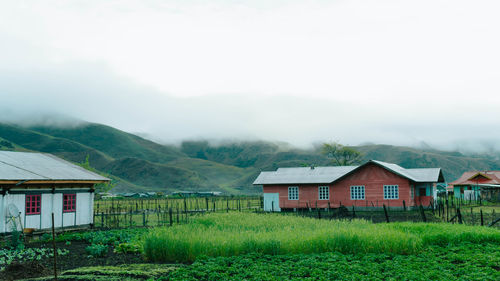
x,y
97,250
128,248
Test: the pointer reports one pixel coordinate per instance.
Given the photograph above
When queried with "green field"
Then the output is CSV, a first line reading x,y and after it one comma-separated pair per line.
x,y
465,262
250,246
276,234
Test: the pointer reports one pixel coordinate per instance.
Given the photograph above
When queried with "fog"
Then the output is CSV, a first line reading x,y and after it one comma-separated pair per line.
x,y
294,71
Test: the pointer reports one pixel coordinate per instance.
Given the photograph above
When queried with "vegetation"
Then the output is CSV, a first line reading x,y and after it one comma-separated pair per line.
x,y
238,234
8,256
457,262
137,164
106,237
126,272
341,155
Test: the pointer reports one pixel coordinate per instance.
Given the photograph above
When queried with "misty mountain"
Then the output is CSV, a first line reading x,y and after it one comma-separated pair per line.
x,y
138,164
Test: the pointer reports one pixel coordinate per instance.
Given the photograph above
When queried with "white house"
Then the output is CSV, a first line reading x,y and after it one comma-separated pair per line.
x,y
35,185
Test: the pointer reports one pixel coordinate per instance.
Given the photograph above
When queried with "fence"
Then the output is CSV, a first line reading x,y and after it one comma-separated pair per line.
x,y
112,213
452,210
166,211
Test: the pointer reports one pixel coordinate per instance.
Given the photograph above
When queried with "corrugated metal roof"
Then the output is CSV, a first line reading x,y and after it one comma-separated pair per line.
x,y
414,174
41,166
303,175
425,174
467,178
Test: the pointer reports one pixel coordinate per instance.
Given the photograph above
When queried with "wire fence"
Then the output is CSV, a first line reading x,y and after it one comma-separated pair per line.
x,y
138,212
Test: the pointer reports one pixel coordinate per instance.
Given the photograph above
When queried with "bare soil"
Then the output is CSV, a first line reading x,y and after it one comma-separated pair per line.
x,y
77,257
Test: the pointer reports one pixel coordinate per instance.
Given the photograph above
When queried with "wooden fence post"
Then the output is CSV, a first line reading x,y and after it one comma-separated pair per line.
x,y
385,212
482,221
459,216
54,247
422,213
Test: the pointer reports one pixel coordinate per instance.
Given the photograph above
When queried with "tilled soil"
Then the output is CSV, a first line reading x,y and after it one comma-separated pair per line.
x,y
77,257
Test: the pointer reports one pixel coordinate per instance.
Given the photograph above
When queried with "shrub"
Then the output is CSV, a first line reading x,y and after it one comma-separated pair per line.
x,y
97,250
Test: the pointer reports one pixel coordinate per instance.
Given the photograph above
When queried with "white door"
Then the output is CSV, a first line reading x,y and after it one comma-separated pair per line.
x,y
272,202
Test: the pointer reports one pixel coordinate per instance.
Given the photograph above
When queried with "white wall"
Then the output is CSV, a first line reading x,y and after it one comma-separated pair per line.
x,y
68,219
49,203
18,201
83,204
2,213
57,209
32,221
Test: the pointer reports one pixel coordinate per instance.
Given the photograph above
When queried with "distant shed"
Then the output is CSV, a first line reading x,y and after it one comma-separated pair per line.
x,y
474,184
37,184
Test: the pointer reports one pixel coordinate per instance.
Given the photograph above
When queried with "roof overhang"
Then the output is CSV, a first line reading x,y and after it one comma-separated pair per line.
x,y
28,182
478,174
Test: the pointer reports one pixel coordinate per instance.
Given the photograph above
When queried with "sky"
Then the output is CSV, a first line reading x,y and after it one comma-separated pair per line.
x,y
394,72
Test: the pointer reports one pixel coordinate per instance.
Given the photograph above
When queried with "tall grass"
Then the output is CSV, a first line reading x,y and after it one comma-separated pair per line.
x,y
236,233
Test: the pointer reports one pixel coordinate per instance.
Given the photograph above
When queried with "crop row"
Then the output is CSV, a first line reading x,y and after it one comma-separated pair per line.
x,y
238,234
465,262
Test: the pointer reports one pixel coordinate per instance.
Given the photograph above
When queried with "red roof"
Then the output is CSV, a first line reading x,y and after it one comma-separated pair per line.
x,y
483,177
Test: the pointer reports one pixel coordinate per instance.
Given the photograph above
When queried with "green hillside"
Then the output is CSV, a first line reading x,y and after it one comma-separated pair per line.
x,y
452,163
137,164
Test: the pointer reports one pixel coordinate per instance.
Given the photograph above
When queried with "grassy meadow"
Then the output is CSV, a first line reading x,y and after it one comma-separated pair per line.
x,y
236,234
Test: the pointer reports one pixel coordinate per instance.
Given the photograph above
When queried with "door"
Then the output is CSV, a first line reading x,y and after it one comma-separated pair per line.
x,y
272,202
422,191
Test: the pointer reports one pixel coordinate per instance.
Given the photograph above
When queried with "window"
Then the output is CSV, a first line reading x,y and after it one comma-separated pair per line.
x,y
69,202
358,192
293,193
324,192
33,204
391,192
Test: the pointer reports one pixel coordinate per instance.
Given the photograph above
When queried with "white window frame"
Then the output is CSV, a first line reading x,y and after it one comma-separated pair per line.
x,y
327,192
290,188
391,192
357,190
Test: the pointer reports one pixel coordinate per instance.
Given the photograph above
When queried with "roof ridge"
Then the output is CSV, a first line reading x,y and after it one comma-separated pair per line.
x,y
23,169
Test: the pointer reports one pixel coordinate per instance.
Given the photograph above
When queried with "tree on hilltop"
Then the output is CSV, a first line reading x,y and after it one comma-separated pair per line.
x,y
341,155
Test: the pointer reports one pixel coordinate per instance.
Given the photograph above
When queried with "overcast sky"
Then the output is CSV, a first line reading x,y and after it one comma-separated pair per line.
x,y
397,72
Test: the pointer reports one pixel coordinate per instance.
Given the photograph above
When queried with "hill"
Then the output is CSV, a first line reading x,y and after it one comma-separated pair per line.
x,y
138,164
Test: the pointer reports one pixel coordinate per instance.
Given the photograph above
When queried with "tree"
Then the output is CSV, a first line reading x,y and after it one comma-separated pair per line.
x,y
100,187
341,155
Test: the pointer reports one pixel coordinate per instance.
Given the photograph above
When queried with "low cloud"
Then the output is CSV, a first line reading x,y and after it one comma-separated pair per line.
x,y
71,93
294,71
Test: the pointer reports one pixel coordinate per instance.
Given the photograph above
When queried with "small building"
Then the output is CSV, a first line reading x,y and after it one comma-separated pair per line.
x,y
366,186
186,194
35,185
473,185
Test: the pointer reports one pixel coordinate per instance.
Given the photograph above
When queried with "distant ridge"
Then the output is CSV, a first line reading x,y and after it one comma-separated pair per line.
x,y
138,164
